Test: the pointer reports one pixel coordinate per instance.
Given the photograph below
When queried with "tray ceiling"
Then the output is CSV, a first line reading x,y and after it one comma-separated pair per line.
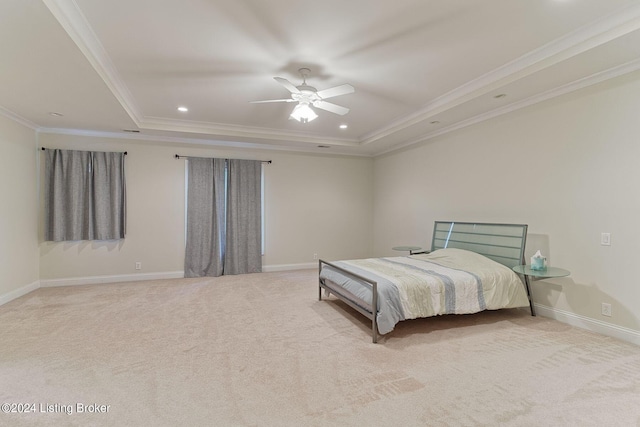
x,y
419,68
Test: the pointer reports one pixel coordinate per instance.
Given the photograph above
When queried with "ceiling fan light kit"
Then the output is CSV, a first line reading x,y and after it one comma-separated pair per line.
x,y
303,113
306,96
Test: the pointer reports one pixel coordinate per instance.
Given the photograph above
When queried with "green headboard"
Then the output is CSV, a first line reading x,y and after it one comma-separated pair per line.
x,y
503,243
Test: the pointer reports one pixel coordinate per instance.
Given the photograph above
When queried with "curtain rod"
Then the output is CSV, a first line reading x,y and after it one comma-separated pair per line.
x,y
178,156
125,153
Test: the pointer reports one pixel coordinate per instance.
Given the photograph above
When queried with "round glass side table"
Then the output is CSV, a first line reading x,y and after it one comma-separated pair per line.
x,y
547,273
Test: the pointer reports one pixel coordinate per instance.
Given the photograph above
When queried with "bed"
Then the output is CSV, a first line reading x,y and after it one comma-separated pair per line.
x,y
467,270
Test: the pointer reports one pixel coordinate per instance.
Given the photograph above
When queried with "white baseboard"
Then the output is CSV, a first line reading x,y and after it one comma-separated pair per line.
x,y
93,280
589,324
17,293
286,267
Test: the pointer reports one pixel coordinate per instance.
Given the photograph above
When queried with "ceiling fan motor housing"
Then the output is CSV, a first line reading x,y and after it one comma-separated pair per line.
x,y
307,93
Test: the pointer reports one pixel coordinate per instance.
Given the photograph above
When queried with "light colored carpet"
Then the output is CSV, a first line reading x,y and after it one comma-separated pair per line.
x,y
261,350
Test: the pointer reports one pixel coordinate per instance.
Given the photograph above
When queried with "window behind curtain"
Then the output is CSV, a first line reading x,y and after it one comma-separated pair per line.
x,y
85,197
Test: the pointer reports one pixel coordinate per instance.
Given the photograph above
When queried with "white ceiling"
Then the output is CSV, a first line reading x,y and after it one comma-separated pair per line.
x,y
420,68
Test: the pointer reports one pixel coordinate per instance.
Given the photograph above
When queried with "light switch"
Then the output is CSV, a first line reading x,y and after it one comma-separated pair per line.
x,y
605,239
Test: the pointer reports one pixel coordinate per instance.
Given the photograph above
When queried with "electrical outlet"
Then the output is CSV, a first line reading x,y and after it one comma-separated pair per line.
x,y
315,256
605,239
138,265
606,309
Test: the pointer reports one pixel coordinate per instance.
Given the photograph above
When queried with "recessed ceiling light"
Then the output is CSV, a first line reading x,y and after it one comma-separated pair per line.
x,y
343,126
131,130
435,122
54,114
501,95
324,146
183,109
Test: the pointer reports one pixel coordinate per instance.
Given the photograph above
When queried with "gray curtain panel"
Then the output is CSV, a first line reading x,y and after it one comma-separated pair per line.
x,y
224,217
85,196
243,253
204,253
109,196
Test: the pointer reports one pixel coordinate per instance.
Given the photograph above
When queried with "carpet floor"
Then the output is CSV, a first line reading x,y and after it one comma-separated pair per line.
x,y
261,350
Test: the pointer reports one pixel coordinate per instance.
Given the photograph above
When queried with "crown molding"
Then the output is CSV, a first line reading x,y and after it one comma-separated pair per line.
x,y
233,131
611,27
197,141
17,118
71,18
591,80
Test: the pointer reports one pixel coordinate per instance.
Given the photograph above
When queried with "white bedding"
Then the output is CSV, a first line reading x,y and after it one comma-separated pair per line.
x,y
446,281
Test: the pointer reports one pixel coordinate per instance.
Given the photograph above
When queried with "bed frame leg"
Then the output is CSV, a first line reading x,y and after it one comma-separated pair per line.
x,y
319,280
374,311
374,331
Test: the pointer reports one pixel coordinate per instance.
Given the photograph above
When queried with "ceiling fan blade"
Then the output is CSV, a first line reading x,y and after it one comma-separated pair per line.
x,y
333,108
272,100
336,91
287,84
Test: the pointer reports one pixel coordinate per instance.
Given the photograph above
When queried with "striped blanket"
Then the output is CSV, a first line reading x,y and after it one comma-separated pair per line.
x,y
447,281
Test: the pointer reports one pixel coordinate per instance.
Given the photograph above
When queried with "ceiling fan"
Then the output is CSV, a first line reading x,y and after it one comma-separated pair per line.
x,y
307,96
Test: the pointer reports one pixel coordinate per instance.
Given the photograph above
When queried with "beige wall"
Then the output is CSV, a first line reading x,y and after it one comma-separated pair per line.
x,y
18,209
317,205
313,204
568,167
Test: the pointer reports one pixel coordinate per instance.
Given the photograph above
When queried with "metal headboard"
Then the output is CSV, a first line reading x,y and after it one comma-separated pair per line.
x,y
503,243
